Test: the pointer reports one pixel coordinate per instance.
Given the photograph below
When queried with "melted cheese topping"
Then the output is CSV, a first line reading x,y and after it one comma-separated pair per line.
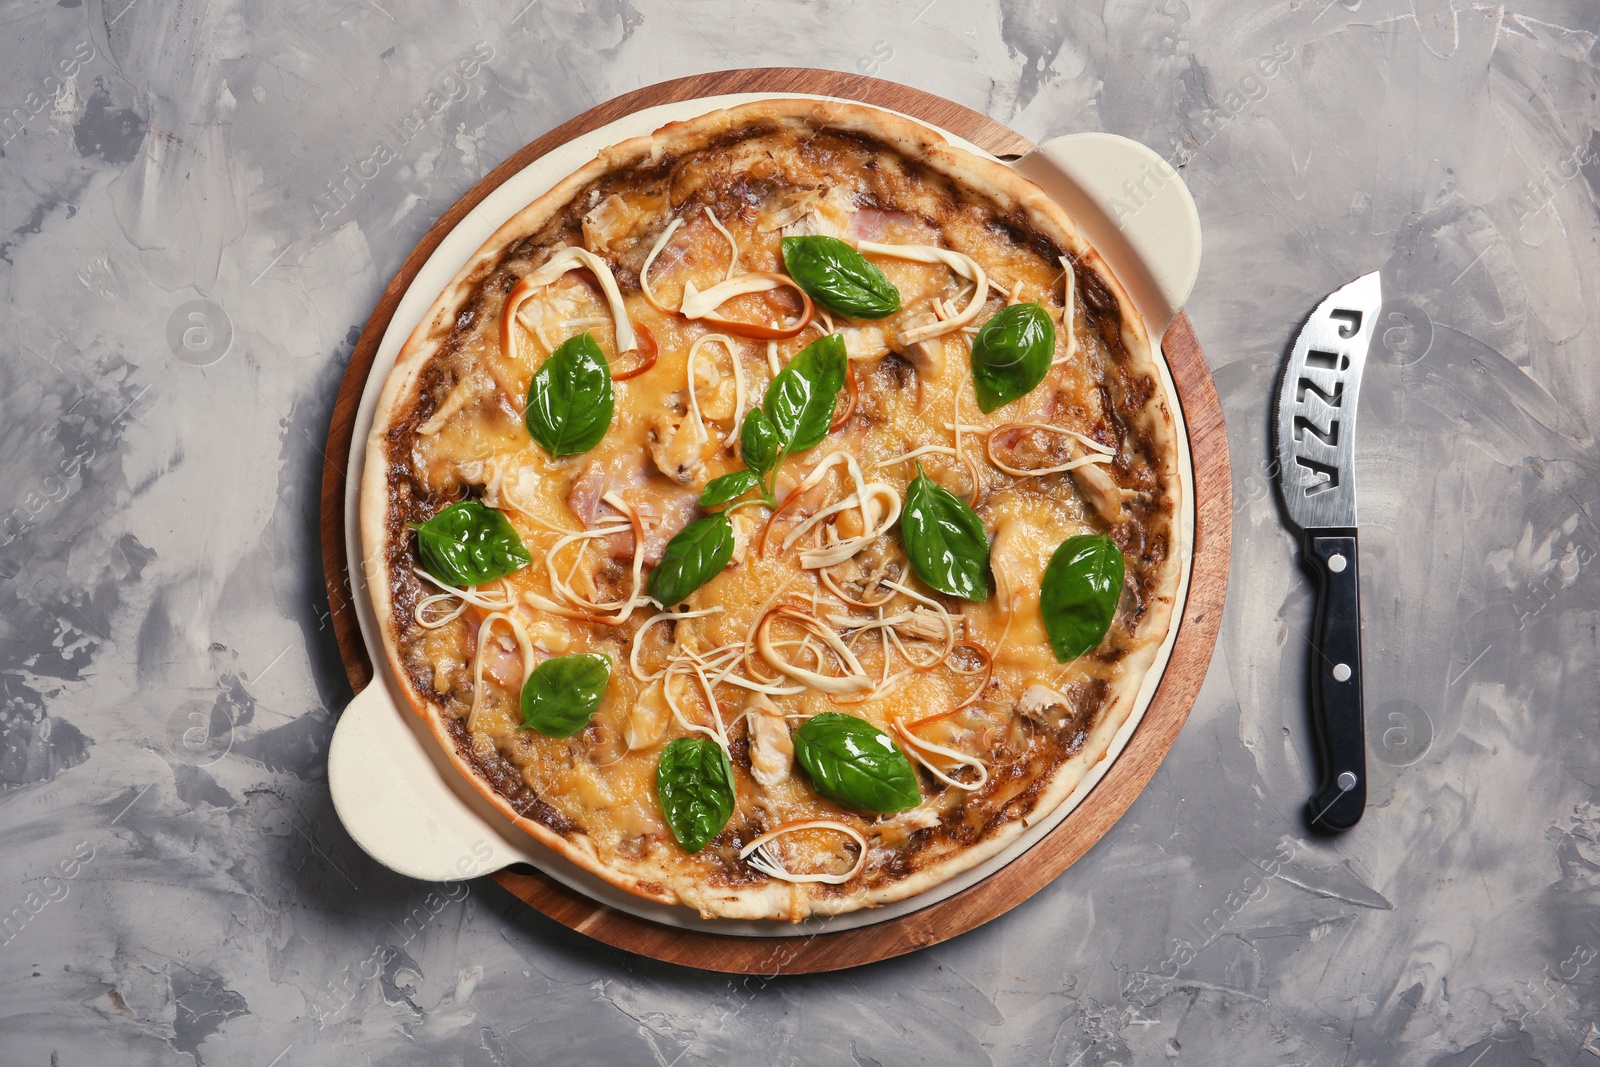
x,y
819,611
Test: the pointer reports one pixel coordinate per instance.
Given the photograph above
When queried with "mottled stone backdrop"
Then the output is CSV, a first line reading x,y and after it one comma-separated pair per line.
x,y
199,205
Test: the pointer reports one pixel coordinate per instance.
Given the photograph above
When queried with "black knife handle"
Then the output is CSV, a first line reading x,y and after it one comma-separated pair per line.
x,y
1331,556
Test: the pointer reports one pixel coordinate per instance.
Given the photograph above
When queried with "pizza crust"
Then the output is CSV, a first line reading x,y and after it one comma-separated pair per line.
x,y
1010,193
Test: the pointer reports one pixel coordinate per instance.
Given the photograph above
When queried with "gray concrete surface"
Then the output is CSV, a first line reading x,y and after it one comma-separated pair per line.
x,y
174,886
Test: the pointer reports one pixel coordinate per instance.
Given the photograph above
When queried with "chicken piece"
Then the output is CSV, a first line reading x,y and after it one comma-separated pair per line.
x,y
1007,564
864,343
924,625
828,217
1045,706
927,357
745,526
1094,481
771,746
608,221
812,224
787,207
646,724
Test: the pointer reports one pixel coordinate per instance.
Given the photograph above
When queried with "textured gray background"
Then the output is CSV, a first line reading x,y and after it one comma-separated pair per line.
x,y
176,886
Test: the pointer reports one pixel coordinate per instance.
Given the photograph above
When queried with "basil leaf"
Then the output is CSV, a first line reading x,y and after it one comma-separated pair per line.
x,y
1011,354
801,399
694,783
692,558
563,693
728,487
1078,596
852,762
570,400
839,277
469,543
945,540
758,441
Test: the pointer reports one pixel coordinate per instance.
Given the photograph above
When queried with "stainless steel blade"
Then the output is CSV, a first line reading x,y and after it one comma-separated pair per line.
x,y
1315,421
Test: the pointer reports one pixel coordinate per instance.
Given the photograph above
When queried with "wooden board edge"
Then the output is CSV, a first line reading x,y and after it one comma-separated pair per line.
x,y
1064,845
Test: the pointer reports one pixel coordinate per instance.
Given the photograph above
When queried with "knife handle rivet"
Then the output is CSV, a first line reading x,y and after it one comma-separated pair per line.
x,y
1337,564
1347,782
1341,672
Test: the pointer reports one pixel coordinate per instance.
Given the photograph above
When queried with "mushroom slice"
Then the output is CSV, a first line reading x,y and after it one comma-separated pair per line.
x,y
677,450
1045,706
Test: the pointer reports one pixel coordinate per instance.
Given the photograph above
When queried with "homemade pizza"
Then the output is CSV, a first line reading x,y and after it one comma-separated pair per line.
x,y
779,515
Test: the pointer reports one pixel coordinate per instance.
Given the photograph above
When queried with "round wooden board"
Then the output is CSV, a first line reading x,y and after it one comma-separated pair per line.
x,y
1016,882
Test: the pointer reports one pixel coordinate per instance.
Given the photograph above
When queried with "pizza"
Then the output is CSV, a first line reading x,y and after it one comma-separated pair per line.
x,y
779,515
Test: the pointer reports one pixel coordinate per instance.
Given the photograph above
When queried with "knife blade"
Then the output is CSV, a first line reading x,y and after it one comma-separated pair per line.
x,y
1315,428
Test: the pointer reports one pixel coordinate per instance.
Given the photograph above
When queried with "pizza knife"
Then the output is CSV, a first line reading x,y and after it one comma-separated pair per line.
x,y
1315,429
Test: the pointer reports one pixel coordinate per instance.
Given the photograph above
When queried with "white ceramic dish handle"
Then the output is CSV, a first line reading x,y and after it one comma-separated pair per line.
x,y
1133,207
390,796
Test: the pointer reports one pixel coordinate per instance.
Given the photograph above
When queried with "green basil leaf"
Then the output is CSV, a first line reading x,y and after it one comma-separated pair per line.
x,y
1011,354
839,278
1078,596
694,783
945,540
562,694
570,400
692,558
852,762
801,398
469,543
730,486
758,442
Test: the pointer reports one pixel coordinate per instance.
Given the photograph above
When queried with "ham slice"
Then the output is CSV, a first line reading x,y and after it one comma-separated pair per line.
x,y
664,508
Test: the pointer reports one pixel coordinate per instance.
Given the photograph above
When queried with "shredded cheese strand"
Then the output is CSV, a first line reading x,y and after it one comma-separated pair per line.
x,y
420,612
875,521
470,595
524,645
738,384
1098,453
1069,309
638,637
854,680
571,258
915,453
562,587
677,712
920,749
702,303
750,634
964,265
733,264
756,854
649,260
